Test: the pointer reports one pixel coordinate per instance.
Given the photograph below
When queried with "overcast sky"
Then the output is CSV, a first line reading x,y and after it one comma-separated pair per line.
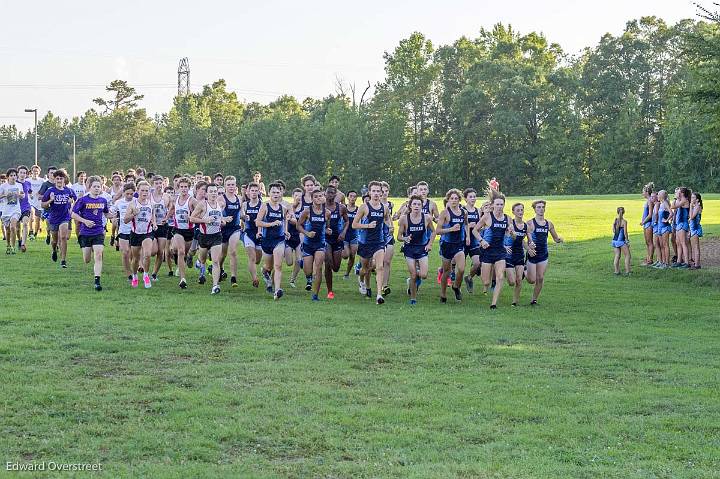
x,y
59,55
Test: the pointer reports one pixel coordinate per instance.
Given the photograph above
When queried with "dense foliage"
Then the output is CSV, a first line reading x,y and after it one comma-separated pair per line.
x,y
636,107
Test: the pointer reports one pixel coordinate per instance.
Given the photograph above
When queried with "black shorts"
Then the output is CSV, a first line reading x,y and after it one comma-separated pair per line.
x,y
368,250
512,261
25,214
186,234
163,231
196,233
493,256
124,236
88,241
228,232
293,242
449,250
334,245
269,244
472,251
208,241
136,239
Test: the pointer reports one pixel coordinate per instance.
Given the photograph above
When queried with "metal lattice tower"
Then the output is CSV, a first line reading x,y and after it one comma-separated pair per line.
x,y
184,77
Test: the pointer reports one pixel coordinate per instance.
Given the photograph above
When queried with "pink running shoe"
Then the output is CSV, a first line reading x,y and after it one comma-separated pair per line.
x,y
146,281
134,282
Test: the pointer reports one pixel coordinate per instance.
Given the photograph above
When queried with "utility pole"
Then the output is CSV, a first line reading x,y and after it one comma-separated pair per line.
x,y
34,110
183,77
74,164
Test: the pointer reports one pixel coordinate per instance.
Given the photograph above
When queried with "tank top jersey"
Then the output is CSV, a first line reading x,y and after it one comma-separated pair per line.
x,y
377,234
386,228
292,227
539,237
619,234
495,234
517,244
181,219
305,204
682,215
646,209
273,232
316,223
454,236
473,217
142,224
215,213
122,206
336,223
418,232
663,215
695,222
159,209
232,208
426,207
251,211
351,233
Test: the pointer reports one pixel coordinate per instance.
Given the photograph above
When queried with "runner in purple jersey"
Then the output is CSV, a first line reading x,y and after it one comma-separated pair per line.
x,y
88,211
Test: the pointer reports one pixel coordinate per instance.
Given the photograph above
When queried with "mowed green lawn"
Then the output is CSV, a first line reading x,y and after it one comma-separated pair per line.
x,y
607,377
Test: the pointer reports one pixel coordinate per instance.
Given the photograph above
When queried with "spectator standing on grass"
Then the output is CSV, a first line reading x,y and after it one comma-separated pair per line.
x,y
621,241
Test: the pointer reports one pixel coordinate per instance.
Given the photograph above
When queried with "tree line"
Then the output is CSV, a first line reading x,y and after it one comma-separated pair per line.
x,y
640,106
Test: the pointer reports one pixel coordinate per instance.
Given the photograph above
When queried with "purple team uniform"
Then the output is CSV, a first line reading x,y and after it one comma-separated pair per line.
x,y
91,209
59,209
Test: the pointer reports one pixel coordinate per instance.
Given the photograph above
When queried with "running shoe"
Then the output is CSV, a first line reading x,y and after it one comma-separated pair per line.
x,y
493,306
134,282
223,275
278,294
269,288
292,283
171,273
31,236
331,295
201,279
7,250
308,285
182,284
63,264
358,266
98,287
469,284
513,305
12,250
23,248
458,294
407,282
386,290
233,281
379,299
362,288
266,277
47,239
413,302
533,302
153,277
368,293
443,300
215,290
146,281
255,283
315,297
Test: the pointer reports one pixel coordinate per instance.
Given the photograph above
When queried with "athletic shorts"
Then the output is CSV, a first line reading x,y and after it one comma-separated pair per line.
x,y
368,250
124,236
196,233
186,234
38,211
449,250
414,251
618,243
293,242
390,242
8,217
56,226
162,231
269,245
136,239
512,261
311,249
25,214
350,242
696,232
208,241
537,258
252,242
88,241
685,226
663,228
472,251
493,256
228,232
333,244
648,225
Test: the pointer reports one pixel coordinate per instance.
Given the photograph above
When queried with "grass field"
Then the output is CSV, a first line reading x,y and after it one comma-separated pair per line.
x,y
608,377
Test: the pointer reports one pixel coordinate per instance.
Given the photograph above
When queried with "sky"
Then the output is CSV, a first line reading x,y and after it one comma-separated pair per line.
x,y
58,56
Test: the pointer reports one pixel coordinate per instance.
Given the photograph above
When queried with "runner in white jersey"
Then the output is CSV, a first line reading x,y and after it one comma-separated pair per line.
x,y
208,215
182,227
124,229
116,192
11,192
141,217
161,205
36,183
79,188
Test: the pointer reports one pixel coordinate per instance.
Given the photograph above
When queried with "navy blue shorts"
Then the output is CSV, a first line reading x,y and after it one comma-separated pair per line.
x,y
537,258
390,242
269,244
449,250
311,249
293,242
472,250
414,251
512,261
493,256
333,244
228,232
368,250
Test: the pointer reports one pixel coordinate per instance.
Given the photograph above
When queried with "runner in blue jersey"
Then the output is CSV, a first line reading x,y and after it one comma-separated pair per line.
x,y
351,235
496,226
663,229
370,221
293,245
334,242
454,237
252,237
473,249
538,230
515,259
417,233
313,225
681,205
389,237
231,232
621,241
272,219
646,222
696,231
308,184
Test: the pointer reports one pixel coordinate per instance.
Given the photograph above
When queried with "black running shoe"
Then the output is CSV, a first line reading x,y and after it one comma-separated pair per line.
x,y
223,275
182,284
54,256
443,300
233,281
98,287
63,264
368,293
458,293
47,239
533,302
201,280
308,286
493,306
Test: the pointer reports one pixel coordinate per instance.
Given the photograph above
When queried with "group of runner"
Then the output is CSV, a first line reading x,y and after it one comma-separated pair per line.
x,y
665,223
186,221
